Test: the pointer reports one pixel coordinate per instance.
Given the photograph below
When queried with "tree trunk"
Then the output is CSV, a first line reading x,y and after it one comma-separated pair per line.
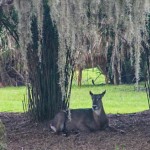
x,y
45,98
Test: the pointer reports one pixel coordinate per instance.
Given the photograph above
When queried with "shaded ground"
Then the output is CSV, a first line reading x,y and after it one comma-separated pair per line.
x,y
23,134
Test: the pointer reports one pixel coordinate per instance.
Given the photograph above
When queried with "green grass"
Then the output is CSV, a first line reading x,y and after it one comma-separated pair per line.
x,y
11,99
118,99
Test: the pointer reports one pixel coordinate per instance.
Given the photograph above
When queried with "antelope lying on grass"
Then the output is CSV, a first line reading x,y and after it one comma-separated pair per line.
x,y
90,119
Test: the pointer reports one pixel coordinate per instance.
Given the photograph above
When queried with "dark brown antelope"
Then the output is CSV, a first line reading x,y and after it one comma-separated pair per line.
x,y
90,119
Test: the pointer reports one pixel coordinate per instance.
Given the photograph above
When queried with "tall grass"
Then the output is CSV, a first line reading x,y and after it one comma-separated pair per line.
x,y
118,99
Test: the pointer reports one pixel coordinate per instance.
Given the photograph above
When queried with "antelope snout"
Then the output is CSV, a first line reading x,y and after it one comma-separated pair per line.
x,y
94,107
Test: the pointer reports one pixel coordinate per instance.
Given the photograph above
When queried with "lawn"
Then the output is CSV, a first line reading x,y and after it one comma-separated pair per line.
x,y
118,99
11,99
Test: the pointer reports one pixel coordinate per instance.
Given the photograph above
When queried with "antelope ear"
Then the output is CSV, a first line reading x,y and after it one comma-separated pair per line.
x,y
90,93
103,93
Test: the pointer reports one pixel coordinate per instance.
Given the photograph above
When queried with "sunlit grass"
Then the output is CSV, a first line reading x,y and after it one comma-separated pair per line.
x,y
118,99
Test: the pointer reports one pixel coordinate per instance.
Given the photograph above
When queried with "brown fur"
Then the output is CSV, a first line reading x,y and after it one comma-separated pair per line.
x,y
90,119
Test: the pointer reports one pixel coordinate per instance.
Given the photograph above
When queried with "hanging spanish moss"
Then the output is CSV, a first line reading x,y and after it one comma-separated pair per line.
x,y
41,52
24,25
117,24
54,31
45,91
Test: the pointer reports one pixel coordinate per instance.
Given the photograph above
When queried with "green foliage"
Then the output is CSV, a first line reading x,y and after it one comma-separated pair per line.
x,y
120,147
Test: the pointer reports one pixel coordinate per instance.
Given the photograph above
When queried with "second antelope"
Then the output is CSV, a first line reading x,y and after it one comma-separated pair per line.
x,y
90,119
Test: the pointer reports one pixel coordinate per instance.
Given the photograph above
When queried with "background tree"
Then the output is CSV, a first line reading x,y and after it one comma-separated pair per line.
x,y
12,71
146,58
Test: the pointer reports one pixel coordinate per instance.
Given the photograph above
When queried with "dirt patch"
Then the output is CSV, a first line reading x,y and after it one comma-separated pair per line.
x,y
24,134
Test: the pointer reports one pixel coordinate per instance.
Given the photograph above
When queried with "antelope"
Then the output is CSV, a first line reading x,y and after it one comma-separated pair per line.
x,y
89,119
